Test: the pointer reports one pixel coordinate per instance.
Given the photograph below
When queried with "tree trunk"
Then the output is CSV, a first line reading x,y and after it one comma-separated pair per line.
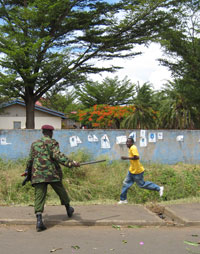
x,y
117,123
30,113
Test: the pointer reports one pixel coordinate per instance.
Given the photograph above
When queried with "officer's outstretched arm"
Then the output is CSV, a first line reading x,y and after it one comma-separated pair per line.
x,y
62,158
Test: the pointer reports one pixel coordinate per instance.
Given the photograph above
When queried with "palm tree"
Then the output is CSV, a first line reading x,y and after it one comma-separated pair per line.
x,y
145,115
177,111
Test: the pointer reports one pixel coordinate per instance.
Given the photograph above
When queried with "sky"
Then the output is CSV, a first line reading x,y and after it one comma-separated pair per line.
x,y
139,69
142,68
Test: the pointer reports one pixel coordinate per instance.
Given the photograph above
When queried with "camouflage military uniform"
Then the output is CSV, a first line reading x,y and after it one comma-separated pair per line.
x,y
44,160
45,157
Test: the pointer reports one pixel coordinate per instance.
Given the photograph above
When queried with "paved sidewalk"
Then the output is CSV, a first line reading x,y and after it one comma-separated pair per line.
x,y
187,214
89,215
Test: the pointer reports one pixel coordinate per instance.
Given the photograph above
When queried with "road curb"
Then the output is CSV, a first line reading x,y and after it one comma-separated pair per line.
x,y
138,216
85,222
17,222
180,220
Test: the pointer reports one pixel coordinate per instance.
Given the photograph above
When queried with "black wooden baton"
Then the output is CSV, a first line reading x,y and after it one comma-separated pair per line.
x,y
90,162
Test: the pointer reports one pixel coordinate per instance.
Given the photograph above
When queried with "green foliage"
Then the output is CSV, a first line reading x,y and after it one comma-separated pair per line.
x,y
63,103
176,110
11,191
100,183
182,47
110,91
52,44
145,115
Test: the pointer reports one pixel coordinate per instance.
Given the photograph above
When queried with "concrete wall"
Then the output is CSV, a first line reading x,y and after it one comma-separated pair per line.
x,y
16,144
17,113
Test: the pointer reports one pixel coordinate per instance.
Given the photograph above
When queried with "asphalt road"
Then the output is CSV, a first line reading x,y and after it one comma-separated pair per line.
x,y
98,240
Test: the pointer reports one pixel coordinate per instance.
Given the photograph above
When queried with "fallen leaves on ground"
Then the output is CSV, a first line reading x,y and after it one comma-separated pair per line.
x,y
133,226
116,226
20,230
192,243
76,247
53,250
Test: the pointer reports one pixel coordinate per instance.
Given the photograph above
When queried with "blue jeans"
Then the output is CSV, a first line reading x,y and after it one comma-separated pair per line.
x,y
138,178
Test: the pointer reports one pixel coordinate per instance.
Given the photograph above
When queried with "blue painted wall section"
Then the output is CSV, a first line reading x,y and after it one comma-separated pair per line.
x,y
15,144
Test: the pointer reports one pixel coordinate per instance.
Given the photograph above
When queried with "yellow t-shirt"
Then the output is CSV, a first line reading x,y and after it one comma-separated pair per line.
x,y
135,165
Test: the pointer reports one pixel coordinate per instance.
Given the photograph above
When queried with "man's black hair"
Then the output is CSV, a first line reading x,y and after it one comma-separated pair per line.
x,y
131,139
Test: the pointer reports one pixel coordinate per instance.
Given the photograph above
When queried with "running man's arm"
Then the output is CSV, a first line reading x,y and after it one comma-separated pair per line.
x,y
135,157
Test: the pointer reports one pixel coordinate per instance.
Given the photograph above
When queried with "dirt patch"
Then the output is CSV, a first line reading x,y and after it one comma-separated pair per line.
x,y
160,212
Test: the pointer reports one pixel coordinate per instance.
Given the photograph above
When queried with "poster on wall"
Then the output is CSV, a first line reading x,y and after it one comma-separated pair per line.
x,y
143,133
133,136
74,141
180,138
78,140
143,142
121,140
92,138
160,135
152,137
4,142
105,142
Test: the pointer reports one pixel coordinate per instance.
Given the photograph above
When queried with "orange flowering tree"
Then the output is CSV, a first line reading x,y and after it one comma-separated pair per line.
x,y
105,116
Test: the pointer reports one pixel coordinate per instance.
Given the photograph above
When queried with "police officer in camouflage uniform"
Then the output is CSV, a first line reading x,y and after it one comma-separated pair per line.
x,y
43,169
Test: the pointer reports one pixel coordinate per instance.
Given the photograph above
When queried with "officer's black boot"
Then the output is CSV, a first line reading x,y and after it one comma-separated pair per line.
x,y
40,226
70,210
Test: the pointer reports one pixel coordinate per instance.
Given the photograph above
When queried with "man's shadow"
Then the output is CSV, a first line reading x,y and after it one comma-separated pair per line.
x,y
58,219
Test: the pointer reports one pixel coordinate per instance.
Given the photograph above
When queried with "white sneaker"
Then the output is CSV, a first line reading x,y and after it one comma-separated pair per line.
x,y
123,202
161,191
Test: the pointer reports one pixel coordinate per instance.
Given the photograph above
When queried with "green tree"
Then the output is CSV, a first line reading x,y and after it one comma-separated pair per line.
x,y
110,91
182,46
176,110
3,99
63,103
51,43
145,115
